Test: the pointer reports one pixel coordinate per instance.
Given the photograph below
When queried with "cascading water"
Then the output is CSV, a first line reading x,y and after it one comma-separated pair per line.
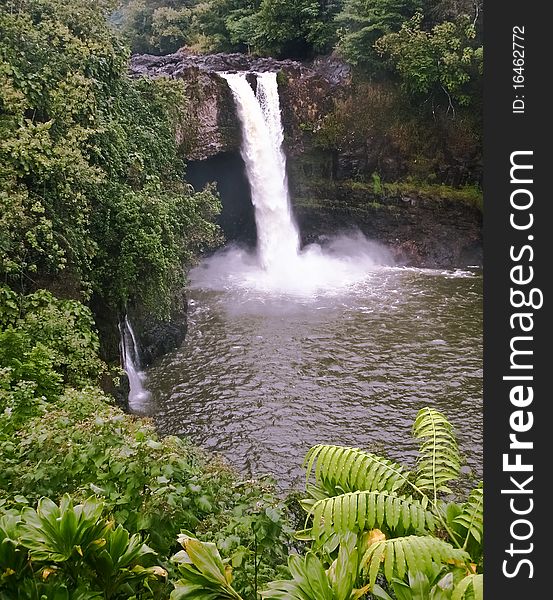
x,y
280,266
138,395
277,235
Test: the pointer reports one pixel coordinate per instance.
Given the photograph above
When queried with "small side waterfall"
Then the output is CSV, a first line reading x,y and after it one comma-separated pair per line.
x,y
278,239
138,395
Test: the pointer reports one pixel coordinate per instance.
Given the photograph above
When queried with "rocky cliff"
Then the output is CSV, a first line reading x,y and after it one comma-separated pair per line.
x,y
341,136
212,126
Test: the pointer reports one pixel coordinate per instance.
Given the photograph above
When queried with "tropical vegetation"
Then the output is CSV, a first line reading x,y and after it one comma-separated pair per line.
x,y
91,182
375,530
430,46
97,215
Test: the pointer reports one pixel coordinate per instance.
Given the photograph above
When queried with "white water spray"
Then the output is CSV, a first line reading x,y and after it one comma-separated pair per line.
x,y
138,395
280,266
277,235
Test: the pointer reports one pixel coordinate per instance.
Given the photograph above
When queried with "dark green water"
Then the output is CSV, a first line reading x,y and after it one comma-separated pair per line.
x,y
262,377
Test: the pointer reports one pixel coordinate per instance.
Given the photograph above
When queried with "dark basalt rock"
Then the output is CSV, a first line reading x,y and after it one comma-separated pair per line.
x,y
331,68
420,231
160,337
175,65
156,337
211,126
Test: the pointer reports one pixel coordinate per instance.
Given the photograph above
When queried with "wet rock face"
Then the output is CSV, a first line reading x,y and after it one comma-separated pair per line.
x,y
421,231
160,337
227,170
156,337
211,126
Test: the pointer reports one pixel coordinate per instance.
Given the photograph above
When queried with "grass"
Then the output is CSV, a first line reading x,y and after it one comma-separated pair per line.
x,y
468,194
471,195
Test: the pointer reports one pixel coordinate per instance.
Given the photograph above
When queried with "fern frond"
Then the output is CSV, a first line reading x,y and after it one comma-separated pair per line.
x,y
341,469
470,583
360,511
413,553
472,517
439,460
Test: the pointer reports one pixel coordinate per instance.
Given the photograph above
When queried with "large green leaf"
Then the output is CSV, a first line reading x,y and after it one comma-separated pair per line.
x,y
438,461
13,558
341,469
361,511
122,559
398,556
203,573
57,533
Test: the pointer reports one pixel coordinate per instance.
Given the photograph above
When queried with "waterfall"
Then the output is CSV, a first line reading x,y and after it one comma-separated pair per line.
x,y
339,262
278,239
138,395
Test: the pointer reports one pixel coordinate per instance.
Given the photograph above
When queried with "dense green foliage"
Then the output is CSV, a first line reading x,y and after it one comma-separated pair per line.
x,y
361,24
45,343
65,327
281,27
444,59
90,183
80,443
70,551
376,530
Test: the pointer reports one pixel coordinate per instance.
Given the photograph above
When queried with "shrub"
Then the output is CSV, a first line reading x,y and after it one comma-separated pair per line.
x,y
45,343
371,520
72,551
82,444
66,329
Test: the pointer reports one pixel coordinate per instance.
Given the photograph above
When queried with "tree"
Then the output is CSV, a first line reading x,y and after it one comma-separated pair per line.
x,y
155,26
444,62
437,11
225,25
361,24
170,28
89,160
287,28
297,27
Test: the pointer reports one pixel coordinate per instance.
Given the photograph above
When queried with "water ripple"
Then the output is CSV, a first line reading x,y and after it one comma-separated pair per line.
x,y
261,379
